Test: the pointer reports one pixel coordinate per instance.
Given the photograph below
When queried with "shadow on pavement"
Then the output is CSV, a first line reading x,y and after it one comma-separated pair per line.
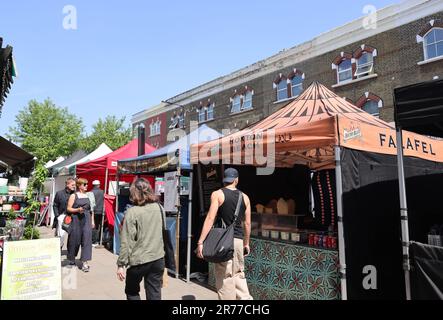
x,y
188,297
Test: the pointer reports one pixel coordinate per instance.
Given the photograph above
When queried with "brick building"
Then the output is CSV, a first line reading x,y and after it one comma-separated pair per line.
x,y
362,61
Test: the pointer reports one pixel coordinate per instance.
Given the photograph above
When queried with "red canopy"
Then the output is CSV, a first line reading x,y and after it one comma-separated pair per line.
x,y
98,166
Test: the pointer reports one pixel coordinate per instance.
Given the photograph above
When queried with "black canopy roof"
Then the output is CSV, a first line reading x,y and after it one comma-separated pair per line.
x,y
419,108
13,155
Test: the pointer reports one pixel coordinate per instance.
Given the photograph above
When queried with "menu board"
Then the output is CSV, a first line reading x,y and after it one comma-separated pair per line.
x,y
211,179
32,270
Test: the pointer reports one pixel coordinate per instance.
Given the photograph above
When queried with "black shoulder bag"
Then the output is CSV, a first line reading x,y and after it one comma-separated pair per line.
x,y
167,243
219,243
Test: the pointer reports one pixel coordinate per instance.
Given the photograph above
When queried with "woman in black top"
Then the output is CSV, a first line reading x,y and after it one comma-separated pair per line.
x,y
81,227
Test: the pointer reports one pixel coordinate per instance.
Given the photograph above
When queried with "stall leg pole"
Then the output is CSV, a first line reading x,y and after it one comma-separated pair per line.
x,y
341,238
403,213
103,212
188,264
117,191
177,230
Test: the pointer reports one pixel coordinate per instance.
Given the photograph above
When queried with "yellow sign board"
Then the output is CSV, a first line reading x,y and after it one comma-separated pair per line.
x,y
32,270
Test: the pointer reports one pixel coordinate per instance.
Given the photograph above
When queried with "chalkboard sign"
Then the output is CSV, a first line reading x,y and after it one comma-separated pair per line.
x,y
211,179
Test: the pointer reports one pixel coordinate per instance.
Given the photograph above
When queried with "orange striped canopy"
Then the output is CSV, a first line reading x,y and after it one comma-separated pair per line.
x,y
305,131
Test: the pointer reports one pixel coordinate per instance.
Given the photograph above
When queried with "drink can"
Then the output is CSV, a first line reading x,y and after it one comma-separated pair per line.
x,y
325,241
316,239
311,239
334,243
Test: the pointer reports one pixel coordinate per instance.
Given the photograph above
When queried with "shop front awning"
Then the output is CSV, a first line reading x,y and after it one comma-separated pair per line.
x,y
14,156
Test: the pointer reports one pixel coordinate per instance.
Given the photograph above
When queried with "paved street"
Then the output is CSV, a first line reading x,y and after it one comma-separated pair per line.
x,y
101,282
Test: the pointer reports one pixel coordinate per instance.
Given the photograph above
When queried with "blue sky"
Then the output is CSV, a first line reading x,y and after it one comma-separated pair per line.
x,y
128,55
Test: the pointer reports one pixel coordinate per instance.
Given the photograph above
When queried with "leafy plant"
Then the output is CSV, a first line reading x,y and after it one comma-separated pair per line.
x,y
12,215
29,232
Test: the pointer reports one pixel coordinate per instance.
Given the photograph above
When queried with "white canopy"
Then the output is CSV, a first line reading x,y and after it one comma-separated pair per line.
x,y
101,151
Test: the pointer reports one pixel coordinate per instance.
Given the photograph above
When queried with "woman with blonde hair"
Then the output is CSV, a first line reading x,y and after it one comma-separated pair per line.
x,y
80,234
141,248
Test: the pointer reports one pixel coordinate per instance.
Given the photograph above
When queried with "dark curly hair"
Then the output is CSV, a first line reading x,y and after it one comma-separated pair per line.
x,y
141,192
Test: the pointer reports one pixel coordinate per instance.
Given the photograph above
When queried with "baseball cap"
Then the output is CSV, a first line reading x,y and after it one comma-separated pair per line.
x,y
95,183
230,175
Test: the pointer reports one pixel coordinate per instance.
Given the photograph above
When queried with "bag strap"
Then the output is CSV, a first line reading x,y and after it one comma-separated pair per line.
x,y
162,212
237,209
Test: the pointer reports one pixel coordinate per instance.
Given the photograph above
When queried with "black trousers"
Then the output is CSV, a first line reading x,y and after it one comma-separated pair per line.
x,y
151,273
98,228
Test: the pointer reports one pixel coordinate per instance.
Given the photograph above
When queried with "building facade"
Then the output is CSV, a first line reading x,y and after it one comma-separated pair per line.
x,y
362,61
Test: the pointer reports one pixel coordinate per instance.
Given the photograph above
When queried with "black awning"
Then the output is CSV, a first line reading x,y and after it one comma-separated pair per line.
x,y
419,108
6,72
13,155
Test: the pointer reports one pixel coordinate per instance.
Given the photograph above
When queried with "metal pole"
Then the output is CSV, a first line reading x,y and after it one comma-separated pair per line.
x,y
177,230
341,238
188,265
103,212
403,213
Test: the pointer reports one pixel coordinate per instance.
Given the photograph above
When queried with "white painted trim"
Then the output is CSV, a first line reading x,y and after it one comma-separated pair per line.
x,y
374,53
430,60
420,39
380,103
341,84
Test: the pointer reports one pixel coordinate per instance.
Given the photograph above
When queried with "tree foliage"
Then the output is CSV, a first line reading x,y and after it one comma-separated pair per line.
x,y
46,130
111,131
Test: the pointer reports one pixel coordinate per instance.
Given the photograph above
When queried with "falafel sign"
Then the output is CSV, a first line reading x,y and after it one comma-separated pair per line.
x,y
32,270
361,136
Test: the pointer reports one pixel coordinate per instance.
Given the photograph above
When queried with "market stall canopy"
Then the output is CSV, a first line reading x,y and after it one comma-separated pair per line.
x,y
51,163
14,156
7,72
109,161
305,132
101,151
419,108
71,159
165,159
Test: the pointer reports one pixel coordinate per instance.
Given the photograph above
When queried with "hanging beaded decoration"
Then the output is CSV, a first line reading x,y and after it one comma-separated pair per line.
x,y
331,198
322,200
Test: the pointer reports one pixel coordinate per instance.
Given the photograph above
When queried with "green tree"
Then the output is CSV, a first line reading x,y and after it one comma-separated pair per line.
x,y
111,131
46,130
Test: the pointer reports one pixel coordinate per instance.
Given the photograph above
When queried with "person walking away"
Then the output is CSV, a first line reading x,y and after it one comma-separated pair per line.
x,y
81,229
60,207
99,196
230,280
141,248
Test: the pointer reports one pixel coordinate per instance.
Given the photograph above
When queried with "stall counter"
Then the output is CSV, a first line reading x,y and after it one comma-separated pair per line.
x,y
286,271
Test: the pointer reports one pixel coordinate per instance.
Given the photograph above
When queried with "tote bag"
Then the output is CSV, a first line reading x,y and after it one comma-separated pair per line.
x,y
219,243
167,243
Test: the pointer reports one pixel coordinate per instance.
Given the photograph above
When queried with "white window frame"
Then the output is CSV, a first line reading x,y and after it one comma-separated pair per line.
x,y
425,46
343,71
367,73
378,106
210,111
181,120
234,104
244,100
155,128
296,85
279,90
202,114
